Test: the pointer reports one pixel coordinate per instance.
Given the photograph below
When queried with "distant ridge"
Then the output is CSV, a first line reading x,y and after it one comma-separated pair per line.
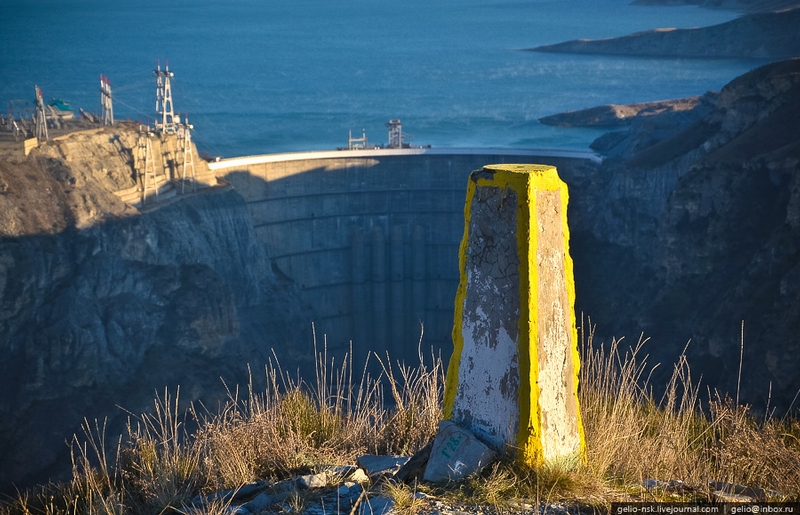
x,y
768,35
748,6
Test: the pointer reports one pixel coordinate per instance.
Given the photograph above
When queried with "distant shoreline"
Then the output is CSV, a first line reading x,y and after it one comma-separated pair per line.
x,y
770,35
745,6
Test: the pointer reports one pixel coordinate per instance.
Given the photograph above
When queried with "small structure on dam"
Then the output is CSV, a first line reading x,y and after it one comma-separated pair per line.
x,y
395,134
513,376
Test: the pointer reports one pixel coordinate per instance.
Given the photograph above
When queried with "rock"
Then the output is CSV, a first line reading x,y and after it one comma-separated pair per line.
x,y
720,496
380,505
341,500
415,467
522,506
359,476
673,486
456,454
341,471
310,481
375,465
259,503
758,494
649,484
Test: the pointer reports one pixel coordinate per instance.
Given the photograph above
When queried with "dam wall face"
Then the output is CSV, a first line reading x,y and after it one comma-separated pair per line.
x,y
371,241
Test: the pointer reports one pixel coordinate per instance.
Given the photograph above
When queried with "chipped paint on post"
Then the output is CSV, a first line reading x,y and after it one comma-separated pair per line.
x,y
513,376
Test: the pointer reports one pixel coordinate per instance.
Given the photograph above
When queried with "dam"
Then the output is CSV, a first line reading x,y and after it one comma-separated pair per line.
x,y
371,237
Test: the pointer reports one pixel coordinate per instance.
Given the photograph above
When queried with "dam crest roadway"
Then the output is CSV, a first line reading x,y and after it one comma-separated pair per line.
x,y
371,236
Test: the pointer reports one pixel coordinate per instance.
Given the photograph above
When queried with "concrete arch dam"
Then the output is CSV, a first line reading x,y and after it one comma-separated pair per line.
x,y
371,237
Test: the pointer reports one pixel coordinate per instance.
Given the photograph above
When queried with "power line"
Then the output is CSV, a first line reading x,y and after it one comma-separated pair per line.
x,y
141,83
134,109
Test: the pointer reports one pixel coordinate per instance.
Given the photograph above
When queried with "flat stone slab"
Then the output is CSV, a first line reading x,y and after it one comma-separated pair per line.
x,y
374,464
456,454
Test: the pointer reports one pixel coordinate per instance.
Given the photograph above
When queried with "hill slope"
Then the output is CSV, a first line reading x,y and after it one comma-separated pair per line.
x,y
771,35
693,226
102,305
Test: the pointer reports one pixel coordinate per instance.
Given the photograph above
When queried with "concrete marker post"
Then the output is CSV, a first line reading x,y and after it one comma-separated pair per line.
x,y
513,376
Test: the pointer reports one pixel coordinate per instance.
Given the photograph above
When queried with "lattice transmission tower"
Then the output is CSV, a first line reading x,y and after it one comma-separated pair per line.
x,y
145,164
40,119
185,142
107,107
164,99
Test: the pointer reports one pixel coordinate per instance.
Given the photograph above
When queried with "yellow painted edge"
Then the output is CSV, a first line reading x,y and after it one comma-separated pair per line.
x,y
451,380
530,441
571,295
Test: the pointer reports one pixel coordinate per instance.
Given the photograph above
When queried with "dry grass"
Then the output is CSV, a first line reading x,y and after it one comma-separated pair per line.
x,y
291,427
631,436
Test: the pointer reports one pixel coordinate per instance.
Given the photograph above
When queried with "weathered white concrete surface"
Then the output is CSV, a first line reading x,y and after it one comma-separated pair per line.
x,y
560,434
487,397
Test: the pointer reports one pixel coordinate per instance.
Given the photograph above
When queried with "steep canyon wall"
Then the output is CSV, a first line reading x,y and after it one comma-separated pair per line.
x,y
103,306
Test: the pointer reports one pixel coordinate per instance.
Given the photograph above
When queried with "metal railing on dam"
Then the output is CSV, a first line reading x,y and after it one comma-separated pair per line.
x,y
371,237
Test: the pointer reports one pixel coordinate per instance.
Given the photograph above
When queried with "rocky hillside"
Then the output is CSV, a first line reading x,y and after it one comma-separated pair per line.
x,y
103,305
693,226
768,35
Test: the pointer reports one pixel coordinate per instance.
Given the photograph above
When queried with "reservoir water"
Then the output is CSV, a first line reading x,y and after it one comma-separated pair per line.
x,y
263,76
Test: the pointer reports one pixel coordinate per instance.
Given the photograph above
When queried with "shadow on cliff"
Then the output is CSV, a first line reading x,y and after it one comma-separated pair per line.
x,y
96,322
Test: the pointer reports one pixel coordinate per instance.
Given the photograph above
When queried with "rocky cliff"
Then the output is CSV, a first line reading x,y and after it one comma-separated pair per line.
x,y
102,305
621,115
693,226
769,35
